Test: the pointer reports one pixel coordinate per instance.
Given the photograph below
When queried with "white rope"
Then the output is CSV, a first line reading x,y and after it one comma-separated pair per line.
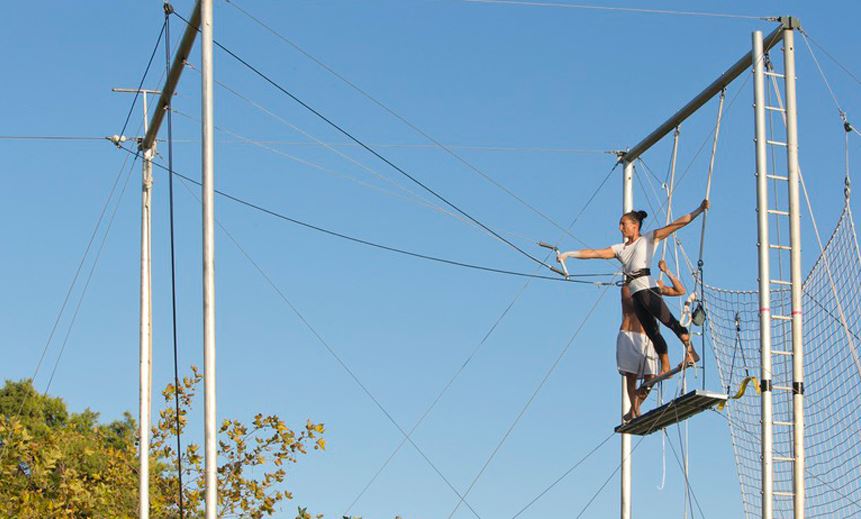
x,y
671,187
827,264
711,171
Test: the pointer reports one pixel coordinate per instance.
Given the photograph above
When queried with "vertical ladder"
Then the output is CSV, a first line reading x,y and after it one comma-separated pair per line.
x,y
782,218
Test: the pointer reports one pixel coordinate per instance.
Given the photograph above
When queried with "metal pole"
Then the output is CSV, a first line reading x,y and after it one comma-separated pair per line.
x,y
625,502
764,275
208,197
145,332
795,273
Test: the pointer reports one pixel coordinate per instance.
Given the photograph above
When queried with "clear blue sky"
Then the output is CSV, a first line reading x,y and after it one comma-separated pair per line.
x,y
547,88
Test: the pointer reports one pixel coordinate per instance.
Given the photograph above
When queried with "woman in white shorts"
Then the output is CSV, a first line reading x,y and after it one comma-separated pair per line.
x,y
635,354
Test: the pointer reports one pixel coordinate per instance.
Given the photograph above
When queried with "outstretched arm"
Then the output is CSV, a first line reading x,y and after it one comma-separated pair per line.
x,y
663,232
677,289
587,254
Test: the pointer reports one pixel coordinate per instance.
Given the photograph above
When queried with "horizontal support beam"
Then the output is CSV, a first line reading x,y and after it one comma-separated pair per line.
x,y
172,77
703,97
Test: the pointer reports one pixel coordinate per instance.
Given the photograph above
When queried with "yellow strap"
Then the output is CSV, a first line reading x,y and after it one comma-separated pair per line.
x,y
741,390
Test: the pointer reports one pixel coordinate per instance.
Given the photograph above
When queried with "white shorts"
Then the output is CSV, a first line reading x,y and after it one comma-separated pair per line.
x,y
635,354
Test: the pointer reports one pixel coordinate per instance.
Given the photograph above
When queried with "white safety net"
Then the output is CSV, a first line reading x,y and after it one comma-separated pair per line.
x,y
832,381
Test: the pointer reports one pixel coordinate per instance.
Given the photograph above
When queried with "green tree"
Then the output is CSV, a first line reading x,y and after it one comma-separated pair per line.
x,y
66,465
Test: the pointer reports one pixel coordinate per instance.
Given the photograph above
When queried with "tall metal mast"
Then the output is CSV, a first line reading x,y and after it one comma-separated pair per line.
x,y
795,283
625,512
145,331
208,197
795,269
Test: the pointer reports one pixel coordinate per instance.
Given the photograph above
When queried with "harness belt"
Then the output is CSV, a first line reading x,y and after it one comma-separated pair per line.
x,y
630,276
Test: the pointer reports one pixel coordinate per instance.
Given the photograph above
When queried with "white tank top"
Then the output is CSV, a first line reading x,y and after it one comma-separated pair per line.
x,y
637,256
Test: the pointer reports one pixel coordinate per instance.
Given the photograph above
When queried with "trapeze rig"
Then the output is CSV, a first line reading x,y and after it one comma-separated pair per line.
x,y
697,401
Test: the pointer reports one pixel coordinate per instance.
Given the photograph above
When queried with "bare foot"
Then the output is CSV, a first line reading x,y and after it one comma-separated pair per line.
x,y
665,363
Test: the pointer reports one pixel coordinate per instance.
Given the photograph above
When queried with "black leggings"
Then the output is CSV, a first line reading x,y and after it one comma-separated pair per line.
x,y
650,308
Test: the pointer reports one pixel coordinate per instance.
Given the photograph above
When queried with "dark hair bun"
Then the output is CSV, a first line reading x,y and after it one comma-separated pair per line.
x,y
641,215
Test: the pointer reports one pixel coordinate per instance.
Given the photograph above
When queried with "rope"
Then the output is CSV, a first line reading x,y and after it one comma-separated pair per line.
x,y
670,187
143,78
331,350
619,9
369,149
529,401
393,249
448,149
74,280
167,55
406,195
470,357
563,476
824,79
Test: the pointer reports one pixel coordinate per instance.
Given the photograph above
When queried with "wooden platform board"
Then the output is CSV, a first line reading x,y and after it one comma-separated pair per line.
x,y
672,412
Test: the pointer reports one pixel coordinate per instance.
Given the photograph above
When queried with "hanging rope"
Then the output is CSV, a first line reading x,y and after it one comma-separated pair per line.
x,y
168,9
670,189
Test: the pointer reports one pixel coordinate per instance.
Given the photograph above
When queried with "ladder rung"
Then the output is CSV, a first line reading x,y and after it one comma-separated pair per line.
x,y
781,247
774,108
785,424
781,282
777,177
778,317
782,388
774,74
783,494
778,212
781,352
776,143
783,458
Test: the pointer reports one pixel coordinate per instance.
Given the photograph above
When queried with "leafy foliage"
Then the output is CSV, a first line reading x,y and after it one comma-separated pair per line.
x,y
66,465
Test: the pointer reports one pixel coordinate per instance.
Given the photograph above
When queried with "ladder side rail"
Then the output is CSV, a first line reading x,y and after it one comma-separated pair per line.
x,y
795,272
757,57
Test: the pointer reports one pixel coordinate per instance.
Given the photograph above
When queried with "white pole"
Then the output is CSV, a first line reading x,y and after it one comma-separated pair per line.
x,y
145,325
208,197
795,276
764,276
625,504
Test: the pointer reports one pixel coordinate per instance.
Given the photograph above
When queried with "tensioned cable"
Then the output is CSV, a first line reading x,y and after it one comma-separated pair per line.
x,y
564,475
332,148
368,148
167,10
822,75
619,466
406,193
87,281
530,400
143,78
48,138
830,56
393,249
331,350
471,356
620,9
74,281
405,121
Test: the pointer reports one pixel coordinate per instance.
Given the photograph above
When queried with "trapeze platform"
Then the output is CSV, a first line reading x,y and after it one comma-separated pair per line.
x,y
672,412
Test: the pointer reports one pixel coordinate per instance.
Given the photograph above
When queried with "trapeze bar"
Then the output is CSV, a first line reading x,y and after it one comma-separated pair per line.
x,y
672,412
